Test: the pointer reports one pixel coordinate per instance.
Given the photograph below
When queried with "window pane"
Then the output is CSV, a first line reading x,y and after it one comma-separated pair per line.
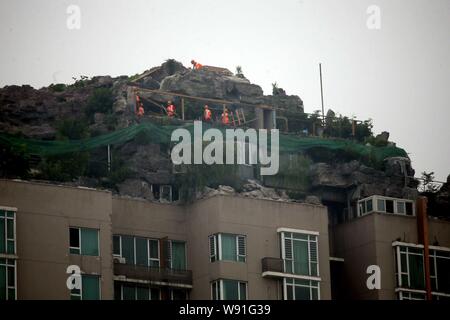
x,y
141,252
154,253
90,287
89,242
443,274
10,248
302,293
400,207
74,237
369,205
315,294
409,208
230,290
116,245
178,294
117,290
389,206
143,293
10,228
154,294
2,213
243,291
178,255
290,292
380,204
416,272
10,214
301,260
11,276
214,290
2,283
128,292
128,249
228,247
300,236
2,236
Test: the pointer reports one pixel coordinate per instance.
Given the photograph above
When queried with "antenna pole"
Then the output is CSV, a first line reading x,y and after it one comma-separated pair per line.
x,y
321,94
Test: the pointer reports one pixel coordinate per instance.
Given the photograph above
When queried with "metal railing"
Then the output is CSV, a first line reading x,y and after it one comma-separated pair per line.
x,y
153,273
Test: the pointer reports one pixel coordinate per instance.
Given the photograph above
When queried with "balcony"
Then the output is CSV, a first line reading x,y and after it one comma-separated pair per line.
x,y
154,275
277,268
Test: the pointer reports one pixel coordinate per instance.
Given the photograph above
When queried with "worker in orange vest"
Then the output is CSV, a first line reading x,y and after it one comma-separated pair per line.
x,y
196,65
207,114
225,117
170,109
140,112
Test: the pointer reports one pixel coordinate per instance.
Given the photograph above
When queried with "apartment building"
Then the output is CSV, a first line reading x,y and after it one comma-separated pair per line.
x,y
221,247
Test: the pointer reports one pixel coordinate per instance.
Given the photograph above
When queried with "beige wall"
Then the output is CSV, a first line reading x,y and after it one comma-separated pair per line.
x,y
44,214
258,220
367,240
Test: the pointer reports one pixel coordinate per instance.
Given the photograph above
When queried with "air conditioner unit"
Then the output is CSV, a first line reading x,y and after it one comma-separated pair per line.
x,y
121,260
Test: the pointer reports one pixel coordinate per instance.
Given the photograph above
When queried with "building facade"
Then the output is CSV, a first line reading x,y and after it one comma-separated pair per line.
x,y
221,247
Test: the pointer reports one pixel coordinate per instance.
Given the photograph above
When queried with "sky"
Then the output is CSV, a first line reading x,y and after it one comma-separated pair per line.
x,y
397,74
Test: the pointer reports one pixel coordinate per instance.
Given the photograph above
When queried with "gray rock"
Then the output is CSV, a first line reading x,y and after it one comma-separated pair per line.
x,y
99,118
136,188
383,136
120,105
313,200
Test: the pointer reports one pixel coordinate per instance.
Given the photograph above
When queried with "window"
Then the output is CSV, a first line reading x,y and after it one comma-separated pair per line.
x,y
90,288
7,279
300,253
381,205
177,255
166,193
7,231
178,294
411,275
299,289
137,250
83,241
439,271
228,247
224,289
129,291
385,204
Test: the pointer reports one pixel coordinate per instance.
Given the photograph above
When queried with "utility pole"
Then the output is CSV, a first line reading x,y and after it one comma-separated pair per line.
x,y
321,94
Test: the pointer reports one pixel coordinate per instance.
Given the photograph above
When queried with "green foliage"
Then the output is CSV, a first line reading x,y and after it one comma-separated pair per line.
x,y
171,65
71,129
275,88
66,167
293,173
238,70
100,101
80,83
119,172
13,161
59,87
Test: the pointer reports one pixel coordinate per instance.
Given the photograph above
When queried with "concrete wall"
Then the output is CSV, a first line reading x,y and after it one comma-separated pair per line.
x,y
258,220
367,240
44,214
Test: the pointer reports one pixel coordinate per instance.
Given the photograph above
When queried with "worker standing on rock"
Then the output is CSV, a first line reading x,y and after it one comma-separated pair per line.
x,y
170,109
207,114
225,117
196,65
139,107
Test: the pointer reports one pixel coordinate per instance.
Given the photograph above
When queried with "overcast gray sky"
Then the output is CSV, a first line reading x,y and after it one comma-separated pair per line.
x,y
398,75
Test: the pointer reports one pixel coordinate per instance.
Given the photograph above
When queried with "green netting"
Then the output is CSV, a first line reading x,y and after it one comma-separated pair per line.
x,y
159,133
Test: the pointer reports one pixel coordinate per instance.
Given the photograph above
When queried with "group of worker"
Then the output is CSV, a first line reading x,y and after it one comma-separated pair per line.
x,y
171,110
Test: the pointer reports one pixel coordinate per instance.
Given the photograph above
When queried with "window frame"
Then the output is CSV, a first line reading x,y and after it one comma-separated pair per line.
x,y
8,264
362,206
217,238
291,239
149,259
6,217
219,288
294,284
135,287
98,276
80,241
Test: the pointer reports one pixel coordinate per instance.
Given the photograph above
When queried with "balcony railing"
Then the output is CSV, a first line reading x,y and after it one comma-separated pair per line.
x,y
153,273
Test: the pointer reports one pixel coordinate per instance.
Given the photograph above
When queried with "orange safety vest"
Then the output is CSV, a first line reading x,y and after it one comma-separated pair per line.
x,y
141,111
171,110
225,118
207,114
197,66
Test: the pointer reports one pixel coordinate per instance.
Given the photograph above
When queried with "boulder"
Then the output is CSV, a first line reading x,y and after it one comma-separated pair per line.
x,y
120,105
136,188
